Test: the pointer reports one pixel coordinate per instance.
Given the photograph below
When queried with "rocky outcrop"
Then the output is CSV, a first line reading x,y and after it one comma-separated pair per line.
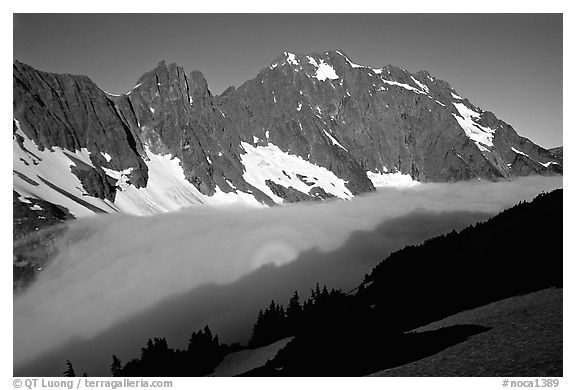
x,y
71,112
558,152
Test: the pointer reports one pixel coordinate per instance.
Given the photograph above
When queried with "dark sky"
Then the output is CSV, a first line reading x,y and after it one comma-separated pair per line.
x,y
509,64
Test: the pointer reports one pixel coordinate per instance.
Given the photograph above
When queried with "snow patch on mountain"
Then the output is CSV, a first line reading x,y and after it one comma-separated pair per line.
x,y
47,175
354,65
350,62
239,197
248,359
269,162
312,61
422,86
106,156
136,86
167,189
291,58
545,165
405,86
396,179
519,152
334,142
325,71
481,135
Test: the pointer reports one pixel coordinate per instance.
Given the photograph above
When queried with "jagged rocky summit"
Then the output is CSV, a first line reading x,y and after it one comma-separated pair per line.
x,y
314,126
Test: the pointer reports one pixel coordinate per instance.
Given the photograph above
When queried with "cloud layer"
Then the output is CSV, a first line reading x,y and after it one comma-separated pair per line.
x,y
112,267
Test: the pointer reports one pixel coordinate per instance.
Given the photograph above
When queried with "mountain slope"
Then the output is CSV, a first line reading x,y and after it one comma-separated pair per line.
x,y
531,325
306,127
373,330
558,152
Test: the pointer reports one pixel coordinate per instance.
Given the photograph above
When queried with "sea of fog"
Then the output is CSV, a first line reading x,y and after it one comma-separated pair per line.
x,y
119,279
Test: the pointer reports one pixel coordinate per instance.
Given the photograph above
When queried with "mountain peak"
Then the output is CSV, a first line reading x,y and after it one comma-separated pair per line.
x,y
317,112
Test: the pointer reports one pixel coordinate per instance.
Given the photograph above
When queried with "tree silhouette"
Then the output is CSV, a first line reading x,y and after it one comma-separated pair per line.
x,y
69,372
271,325
294,308
116,366
204,351
293,314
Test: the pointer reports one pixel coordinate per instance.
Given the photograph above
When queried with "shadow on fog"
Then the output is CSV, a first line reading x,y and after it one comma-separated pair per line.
x,y
231,310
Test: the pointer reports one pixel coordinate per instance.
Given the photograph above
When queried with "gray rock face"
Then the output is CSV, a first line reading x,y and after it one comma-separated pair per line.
x,y
558,152
323,108
71,112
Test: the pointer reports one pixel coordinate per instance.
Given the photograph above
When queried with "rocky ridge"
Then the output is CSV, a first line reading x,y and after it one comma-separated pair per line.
x,y
306,127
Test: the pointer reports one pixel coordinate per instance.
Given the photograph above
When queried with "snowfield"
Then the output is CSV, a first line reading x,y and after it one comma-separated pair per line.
x,y
271,163
243,361
167,189
396,179
47,175
481,135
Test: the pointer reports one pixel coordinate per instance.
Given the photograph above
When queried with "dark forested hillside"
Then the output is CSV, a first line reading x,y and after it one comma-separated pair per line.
x,y
515,252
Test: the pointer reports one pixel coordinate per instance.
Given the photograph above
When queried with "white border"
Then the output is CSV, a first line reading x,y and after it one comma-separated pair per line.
x,y
229,6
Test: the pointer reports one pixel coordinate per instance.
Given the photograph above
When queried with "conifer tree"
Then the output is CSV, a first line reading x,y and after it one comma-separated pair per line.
x,y
116,366
69,370
294,309
316,292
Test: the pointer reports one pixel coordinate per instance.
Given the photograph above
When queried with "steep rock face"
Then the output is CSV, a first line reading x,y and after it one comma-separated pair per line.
x,y
306,127
558,152
389,119
176,114
71,112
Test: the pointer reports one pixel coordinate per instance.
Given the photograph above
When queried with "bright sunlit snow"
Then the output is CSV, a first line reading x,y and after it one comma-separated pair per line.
x,y
312,61
291,58
481,135
106,156
546,165
54,166
405,86
167,189
334,142
271,163
325,71
520,152
422,86
396,179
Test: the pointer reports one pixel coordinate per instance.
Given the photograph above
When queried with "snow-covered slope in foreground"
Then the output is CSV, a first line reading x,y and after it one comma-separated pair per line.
x,y
237,363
